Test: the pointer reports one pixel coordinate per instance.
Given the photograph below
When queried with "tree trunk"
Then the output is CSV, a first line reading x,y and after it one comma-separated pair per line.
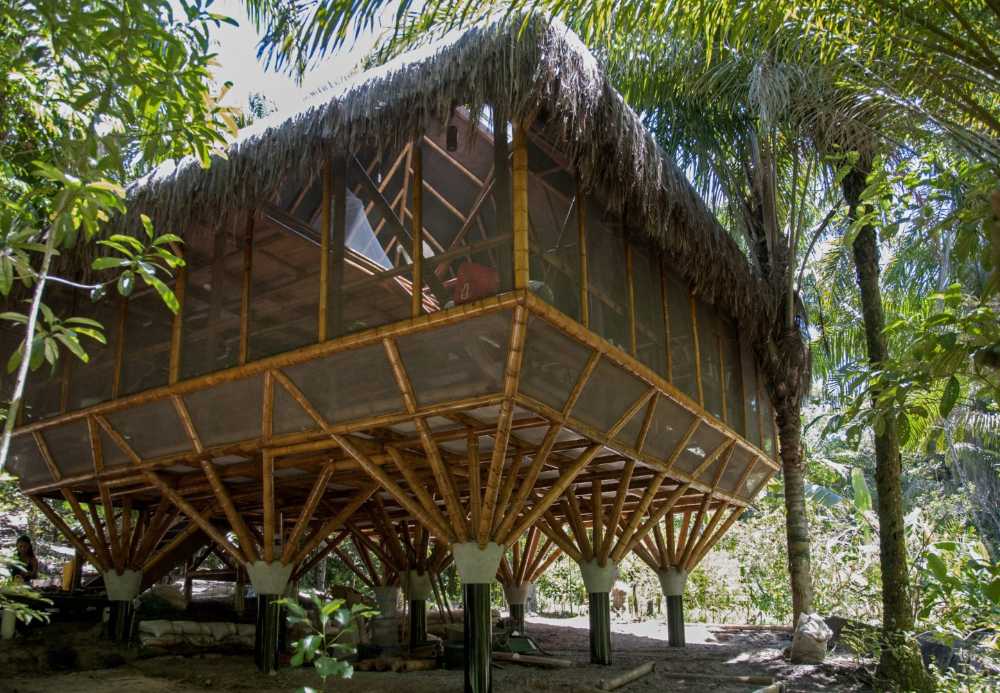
x,y
900,660
29,340
796,522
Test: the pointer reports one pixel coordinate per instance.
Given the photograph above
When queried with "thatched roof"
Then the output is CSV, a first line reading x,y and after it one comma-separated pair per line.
x,y
538,69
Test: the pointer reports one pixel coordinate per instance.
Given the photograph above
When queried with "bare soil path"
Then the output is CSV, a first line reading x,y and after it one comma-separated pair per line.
x,y
715,650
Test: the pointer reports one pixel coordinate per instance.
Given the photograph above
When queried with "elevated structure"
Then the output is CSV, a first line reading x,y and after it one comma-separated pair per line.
x,y
464,292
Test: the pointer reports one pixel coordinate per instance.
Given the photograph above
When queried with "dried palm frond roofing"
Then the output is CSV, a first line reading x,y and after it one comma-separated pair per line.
x,y
534,71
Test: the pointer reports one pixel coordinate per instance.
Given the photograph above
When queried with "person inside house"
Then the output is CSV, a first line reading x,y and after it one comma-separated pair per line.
x,y
26,569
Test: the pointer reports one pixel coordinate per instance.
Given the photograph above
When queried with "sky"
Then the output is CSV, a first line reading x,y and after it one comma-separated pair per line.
x,y
237,55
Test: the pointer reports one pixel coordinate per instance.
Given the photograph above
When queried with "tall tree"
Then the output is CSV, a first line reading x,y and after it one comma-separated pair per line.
x,y
97,91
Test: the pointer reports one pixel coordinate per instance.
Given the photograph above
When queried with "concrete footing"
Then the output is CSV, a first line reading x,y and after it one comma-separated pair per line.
x,y
477,567
672,582
122,588
517,597
599,580
269,580
417,586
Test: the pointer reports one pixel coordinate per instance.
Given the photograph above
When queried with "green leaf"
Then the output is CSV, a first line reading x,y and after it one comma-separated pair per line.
x,y
105,263
165,292
126,283
862,496
330,666
950,396
937,566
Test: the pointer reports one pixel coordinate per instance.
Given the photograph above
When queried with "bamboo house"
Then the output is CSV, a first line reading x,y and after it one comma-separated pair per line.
x,y
460,308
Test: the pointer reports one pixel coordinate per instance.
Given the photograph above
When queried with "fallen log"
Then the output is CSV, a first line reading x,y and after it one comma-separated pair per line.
x,y
402,665
552,662
627,678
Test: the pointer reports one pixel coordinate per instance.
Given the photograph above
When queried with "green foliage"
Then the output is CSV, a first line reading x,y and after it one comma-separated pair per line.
x,y
319,648
959,588
13,594
96,92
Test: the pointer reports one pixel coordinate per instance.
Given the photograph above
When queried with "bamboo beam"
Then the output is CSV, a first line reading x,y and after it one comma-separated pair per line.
x,y
630,412
349,563
64,529
189,510
696,529
554,532
509,482
417,487
435,523
528,483
179,539
511,375
334,523
539,569
50,463
656,516
99,548
706,535
553,493
326,230
571,509
475,484
671,547
306,514
337,246
234,517
116,380
322,553
633,523
616,510
442,475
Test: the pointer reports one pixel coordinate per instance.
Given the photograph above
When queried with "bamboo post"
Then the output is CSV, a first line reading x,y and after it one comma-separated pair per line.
x,y
326,230
627,677
697,348
581,224
417,229
664,294
520,207
475,483
267,498
338,241
630,281
245,289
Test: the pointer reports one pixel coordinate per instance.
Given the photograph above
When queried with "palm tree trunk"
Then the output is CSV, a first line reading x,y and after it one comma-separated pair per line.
x,y
900,661
796,522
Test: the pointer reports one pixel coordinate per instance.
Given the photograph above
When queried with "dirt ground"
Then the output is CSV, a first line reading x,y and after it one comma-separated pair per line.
x,y
717,650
